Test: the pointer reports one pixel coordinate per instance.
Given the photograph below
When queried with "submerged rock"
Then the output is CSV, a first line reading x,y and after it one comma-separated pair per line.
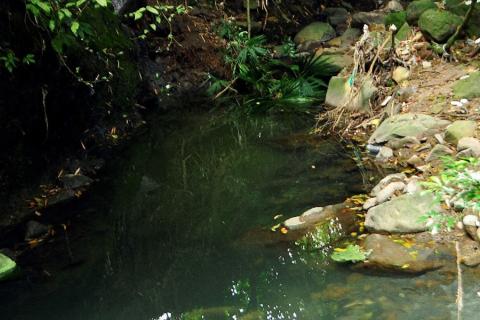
x,y
401,214
315,32
439,24
386,254
35,229
407,125
74,181
468,88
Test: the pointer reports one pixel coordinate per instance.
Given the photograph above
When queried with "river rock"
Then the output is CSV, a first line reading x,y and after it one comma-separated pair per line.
x,y
339,60
469,143
407,125
386,181
413,185
369,203
460,129
385,254
35,229
384,154
415,161
401,214
367,18
468,88
7,267
439,24
339,94
416,8
392,6
315,32
74,181
400,74
349,37
405,142
389,191
338,18
460,8
437,152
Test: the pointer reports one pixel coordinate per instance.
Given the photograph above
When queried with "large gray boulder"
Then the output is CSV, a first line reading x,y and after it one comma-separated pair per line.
x,y
407,125
401,214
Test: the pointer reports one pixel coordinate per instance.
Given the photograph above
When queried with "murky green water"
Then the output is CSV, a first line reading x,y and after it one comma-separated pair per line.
x,y
163,236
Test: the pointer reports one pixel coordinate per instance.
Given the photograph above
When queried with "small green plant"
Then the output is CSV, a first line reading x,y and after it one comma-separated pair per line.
x,y
352,253
456,186
265,83
156,15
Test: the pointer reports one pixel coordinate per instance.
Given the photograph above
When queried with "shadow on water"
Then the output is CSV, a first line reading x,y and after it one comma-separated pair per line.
x,y
159,237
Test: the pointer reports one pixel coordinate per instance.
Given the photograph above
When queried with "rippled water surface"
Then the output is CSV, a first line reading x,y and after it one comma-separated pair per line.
x,y
163,235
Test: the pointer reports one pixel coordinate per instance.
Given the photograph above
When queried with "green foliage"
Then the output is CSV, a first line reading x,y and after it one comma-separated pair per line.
x,y
155,16
266,83
352,253
10,60
457,184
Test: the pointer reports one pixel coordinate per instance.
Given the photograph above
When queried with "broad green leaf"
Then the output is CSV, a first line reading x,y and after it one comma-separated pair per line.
x,y
51,25
74,27
152,9
102,3
153,26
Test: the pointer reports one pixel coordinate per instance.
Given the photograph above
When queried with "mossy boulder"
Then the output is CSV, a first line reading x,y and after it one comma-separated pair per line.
x,y
416,8
439,24
459,8
396,18
7,267
468,88
315,32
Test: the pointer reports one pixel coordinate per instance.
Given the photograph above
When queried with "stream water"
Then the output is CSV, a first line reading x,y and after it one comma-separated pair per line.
x,y
162,236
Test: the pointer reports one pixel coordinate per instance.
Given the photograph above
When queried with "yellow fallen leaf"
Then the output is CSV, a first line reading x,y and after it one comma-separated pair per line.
x,y
405,266
340,249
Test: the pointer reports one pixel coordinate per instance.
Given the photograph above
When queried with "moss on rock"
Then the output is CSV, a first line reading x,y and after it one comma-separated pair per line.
x,y
439,24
